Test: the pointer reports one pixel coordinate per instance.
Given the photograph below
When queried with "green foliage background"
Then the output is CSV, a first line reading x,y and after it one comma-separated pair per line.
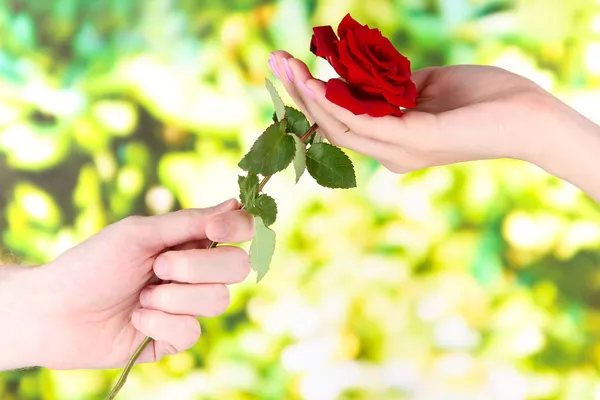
x,y
475,281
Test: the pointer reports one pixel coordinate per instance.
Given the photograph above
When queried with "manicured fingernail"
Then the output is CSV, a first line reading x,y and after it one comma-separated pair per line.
x,y
220,228
306,90
288,70
273,65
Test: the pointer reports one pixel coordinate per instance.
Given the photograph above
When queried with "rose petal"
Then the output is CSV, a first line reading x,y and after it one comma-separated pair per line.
x,y
355,73
354,48
338,92
375,91
371,79
388,66
376,76
324,42
347,23
384,51
411,92
406,100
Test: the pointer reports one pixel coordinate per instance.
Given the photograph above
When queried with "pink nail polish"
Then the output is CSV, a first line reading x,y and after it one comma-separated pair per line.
x,y
288,70
306,90
274,69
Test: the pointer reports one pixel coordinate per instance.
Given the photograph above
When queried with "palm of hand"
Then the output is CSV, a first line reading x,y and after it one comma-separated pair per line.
x,y
98,299
466,113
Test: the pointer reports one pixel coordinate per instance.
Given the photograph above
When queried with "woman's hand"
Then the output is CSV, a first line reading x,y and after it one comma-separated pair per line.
x,y
464,113
93,305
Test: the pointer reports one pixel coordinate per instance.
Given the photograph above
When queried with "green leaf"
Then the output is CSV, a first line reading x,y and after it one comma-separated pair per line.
x,y
297,122
262,248
277,102
257,204
330,166
317,139
299,158
264,207
248,189
272,152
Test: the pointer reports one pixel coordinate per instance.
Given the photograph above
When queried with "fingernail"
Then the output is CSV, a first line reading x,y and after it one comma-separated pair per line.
x,y
161,267
273,65
145,296
274,70
288,70
220,228
306,90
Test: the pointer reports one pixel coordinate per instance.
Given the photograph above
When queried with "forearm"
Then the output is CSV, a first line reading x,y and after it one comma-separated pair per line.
x,y
572,150
20,330
580,161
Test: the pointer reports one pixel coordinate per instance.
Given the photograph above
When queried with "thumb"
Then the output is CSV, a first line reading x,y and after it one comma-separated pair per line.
x,y
183,226
423,77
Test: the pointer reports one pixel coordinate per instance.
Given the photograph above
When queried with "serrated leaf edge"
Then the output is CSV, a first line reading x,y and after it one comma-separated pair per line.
x,y
347,158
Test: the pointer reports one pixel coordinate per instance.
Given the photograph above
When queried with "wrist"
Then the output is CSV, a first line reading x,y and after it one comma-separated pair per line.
x,y
21,313
571,150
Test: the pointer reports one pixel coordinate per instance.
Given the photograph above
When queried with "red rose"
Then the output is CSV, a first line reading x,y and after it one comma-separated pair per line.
x,y
375,76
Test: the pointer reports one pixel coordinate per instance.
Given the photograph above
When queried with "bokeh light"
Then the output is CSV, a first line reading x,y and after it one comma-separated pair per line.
x,y
472,281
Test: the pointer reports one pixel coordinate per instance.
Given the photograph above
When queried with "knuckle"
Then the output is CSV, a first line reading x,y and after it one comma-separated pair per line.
x,y
535,99
186,267
193,218
132,222
135,225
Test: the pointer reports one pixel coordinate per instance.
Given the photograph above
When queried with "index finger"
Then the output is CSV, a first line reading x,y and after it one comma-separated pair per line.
x,y
289,70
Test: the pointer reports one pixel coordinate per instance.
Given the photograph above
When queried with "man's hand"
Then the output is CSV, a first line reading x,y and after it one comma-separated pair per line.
x,y
143,276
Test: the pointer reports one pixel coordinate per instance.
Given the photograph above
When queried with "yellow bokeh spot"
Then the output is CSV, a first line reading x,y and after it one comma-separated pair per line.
x,y
180,363
535,232
116,116
596,24
592,58
38,205
130,180
515,60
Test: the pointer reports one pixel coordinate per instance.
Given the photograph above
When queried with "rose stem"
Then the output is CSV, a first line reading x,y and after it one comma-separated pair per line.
x,y
148,340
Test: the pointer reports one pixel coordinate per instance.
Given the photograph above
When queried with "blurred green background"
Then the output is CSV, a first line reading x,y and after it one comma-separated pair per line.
x,y
476,281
